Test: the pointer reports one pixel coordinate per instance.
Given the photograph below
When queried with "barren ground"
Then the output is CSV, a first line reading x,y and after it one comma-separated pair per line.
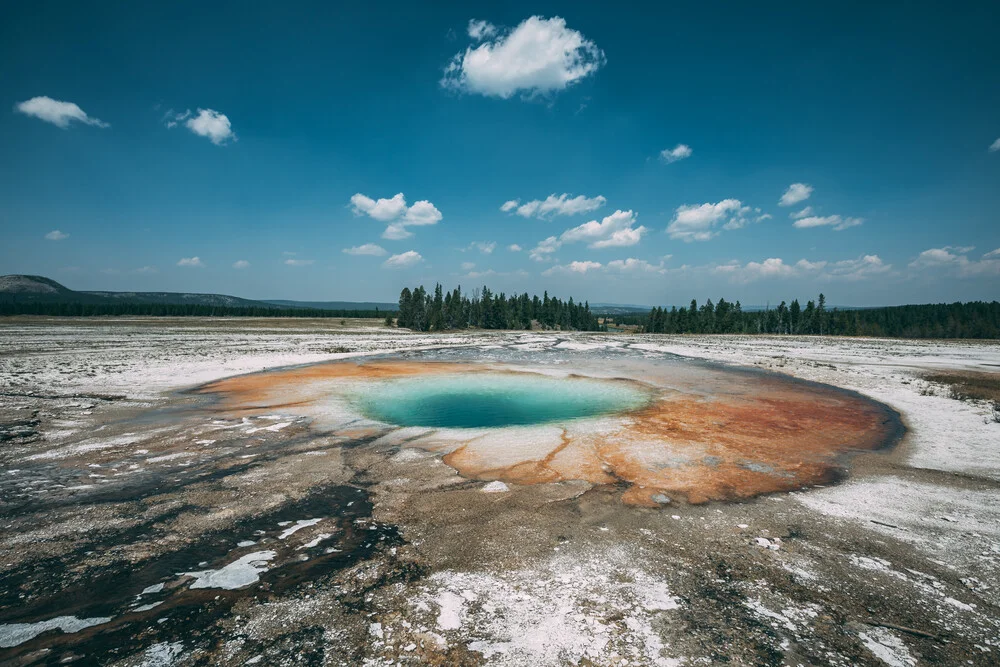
x,y
141,526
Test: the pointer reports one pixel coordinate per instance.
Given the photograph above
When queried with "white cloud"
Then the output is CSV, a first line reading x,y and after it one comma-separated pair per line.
x,y
422,213
382,210
544,248
56,235
697,222
485,247
190,261
678,152
146,270
396,232
513,247
614,230
838,223
60,114
572,267
955,260
468,266
537,57
403,260
995,146
489,273
621,238
291,261
172,118
635,266
241,264
211,124
796,192
804,213
806,266
552,205
863,267
396,212
480,30
366,249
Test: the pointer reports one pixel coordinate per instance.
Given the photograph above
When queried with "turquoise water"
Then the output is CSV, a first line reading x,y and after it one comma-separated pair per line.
x,y
478,400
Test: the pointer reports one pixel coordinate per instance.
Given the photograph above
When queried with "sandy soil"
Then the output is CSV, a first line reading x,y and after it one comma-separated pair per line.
x,y
144,525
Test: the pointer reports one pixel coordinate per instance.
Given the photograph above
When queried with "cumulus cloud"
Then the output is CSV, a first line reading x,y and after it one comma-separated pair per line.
x,y
804,213
678,152
382,210
480,30
995,146
468,266
396,232
209,123
552,206
403,260
698,222
541,252
538,57
241,264
571,268
396,212
190,261
613,231
173,118
422,213
513,247
861,268
838,223
485,247
635,266
56,235
796,192
291,261
366,249
60,114
955,260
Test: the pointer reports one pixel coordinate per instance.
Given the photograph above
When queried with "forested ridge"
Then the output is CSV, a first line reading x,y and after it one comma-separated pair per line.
x,y
438,310
424,311
77,309
975,319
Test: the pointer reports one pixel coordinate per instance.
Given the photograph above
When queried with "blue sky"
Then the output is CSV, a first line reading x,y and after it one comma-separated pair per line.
x,y
262,139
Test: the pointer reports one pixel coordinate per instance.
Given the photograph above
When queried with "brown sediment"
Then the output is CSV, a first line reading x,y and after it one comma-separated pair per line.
x,y
763,434
264,391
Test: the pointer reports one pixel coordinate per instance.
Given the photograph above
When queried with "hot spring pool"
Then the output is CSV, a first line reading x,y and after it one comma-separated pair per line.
x,y
488,399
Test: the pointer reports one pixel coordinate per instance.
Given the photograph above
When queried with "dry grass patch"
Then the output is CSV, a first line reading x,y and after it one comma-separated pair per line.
x,y
964,386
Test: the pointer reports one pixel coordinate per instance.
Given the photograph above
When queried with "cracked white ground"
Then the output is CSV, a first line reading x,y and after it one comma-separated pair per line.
x,y
895,565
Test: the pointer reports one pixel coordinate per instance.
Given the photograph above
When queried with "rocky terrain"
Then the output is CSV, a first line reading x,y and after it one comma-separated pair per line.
x,y
145,524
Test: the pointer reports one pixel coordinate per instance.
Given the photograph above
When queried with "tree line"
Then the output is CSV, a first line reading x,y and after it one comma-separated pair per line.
x,y
975,319
76,309
423,311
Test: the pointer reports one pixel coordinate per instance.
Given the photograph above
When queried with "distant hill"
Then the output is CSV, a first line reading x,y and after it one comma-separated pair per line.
x,y
39,289
618,309
22,289
334,305
32,285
